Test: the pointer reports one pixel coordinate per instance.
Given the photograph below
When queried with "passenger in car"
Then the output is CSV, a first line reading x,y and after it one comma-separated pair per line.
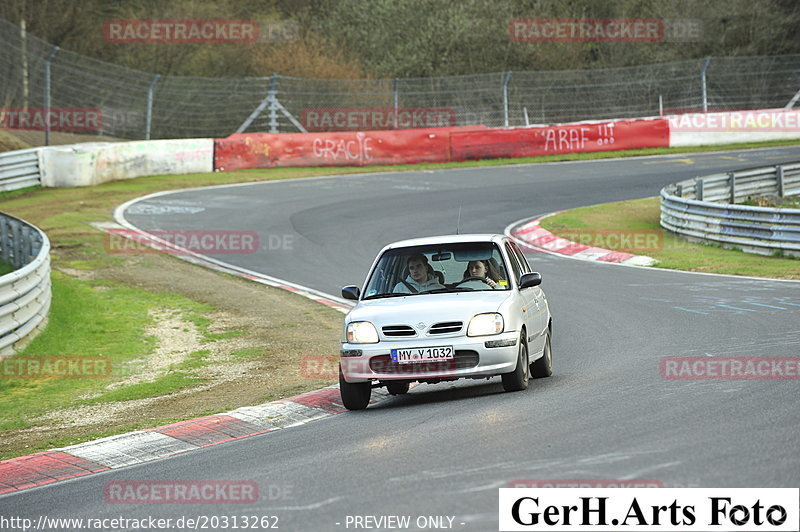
x,y
484,269
421,277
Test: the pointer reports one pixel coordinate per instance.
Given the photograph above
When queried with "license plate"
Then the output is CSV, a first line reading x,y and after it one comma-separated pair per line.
x,y
422,354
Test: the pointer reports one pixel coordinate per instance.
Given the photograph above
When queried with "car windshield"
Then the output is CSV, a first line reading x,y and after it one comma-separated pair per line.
x,y
437,269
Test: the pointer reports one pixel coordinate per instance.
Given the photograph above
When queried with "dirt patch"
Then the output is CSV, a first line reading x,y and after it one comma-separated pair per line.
x,y
270,370
175,339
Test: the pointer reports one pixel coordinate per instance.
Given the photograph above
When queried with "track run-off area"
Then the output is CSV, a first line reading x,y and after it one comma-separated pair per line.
x,y
444,450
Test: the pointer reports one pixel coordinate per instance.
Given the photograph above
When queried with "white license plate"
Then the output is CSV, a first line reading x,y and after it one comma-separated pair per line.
x,y
422,354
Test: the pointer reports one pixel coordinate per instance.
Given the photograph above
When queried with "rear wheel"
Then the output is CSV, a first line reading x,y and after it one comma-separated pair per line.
x,y
543,367
355,395
397,388
517,380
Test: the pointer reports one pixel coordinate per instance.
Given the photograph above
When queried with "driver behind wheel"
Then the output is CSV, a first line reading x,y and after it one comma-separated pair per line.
x,y
421,277
483,269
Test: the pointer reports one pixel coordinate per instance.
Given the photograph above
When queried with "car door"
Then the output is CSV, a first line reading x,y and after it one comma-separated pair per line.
x,y
537,305
529,302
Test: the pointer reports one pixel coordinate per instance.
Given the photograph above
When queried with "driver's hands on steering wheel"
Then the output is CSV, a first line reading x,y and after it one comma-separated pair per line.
x,y
486,280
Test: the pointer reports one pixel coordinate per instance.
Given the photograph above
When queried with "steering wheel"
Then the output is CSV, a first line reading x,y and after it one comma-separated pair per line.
x,y
472,278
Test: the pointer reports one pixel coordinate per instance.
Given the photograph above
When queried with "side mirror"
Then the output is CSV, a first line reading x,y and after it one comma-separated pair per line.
x,y
351,292
530,279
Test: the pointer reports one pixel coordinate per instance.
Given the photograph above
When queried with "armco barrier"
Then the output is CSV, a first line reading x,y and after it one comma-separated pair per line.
x,y
559,139
702,209
19,169
362,148
25,292
94,163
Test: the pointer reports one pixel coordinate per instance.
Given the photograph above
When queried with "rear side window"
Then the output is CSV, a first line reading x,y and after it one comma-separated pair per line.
x,y
512,258
526,268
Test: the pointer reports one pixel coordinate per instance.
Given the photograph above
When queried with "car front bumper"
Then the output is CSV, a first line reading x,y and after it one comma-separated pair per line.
x,y
366,362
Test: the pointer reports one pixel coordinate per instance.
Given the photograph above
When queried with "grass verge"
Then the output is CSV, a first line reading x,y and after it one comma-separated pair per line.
x,y
634,225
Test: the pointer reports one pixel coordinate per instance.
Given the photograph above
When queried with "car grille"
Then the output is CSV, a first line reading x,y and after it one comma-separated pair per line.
x,y
463,359
446,327
398,330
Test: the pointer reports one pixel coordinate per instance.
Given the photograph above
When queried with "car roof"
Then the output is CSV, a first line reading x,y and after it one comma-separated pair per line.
x,y
446,239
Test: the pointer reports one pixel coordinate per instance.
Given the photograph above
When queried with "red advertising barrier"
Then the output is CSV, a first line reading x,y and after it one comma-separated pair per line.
x,y
549,140
363,148
433,145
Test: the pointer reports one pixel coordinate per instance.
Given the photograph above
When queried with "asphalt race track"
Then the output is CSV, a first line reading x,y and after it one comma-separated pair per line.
x,y
443,450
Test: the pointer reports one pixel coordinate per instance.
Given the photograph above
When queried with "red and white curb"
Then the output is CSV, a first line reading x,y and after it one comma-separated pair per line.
x,y
142,446
531,234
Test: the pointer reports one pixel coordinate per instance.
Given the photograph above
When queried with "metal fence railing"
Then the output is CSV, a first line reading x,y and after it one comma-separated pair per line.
x,y
704,209
19,169
129,104
25,292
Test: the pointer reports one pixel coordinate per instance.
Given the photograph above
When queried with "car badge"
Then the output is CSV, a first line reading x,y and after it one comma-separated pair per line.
x,y
420,326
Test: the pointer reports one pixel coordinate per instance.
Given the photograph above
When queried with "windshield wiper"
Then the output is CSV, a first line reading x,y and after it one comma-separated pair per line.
x,y
446,290
388,294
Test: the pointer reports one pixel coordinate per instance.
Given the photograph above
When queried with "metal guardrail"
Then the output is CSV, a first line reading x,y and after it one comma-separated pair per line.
x,y
704,209
25,292
19,169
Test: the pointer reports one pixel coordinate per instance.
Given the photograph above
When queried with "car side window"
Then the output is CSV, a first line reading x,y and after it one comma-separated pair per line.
x,y
526,268
512,258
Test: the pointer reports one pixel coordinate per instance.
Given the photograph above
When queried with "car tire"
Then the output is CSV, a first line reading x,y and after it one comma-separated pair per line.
x,y
517,380
543,367
397,388
355,395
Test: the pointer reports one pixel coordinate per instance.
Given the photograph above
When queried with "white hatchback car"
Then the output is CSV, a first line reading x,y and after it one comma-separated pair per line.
x,y
445,308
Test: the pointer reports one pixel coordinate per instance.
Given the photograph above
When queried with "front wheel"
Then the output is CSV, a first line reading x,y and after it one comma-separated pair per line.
x,y
355,395
517,380
543,367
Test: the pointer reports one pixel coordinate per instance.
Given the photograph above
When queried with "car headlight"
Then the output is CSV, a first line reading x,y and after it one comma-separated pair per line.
x,y
485,324
361,332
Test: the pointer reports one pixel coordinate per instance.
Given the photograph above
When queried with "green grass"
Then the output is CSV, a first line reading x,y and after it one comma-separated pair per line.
x,y
783,203
673,252
248,353
86,322
172,382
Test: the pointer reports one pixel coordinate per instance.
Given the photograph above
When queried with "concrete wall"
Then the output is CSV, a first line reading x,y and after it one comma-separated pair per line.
x,y
94,163
710,129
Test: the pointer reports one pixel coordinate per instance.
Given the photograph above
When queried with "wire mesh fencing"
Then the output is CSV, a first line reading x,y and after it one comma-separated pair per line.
x,y
44,87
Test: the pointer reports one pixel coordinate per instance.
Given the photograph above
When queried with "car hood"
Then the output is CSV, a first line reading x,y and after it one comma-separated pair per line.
x,y
428,308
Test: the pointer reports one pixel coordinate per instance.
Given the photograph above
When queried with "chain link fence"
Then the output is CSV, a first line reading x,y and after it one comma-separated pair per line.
x,y
131,104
